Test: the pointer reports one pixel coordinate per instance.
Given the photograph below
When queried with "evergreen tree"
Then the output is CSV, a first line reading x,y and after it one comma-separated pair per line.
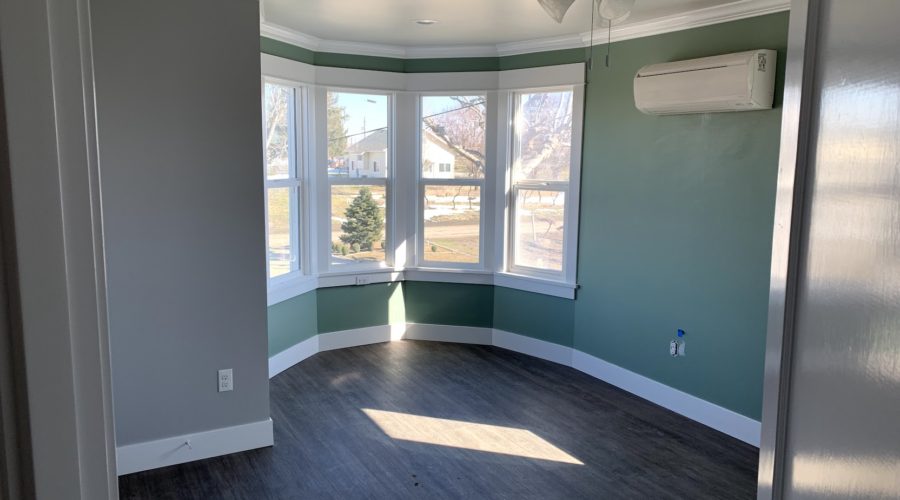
x,y
365,222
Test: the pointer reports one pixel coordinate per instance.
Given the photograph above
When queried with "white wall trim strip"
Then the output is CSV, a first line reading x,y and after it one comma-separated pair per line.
x,y
293,355
448,333
533,347
189,447
356,337
732,11
722,419
275,67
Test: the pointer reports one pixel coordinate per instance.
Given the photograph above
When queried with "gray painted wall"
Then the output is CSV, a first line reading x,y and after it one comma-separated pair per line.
x,y
178,101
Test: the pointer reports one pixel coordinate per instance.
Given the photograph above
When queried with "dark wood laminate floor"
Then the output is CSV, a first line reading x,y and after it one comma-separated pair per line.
x,y
327,447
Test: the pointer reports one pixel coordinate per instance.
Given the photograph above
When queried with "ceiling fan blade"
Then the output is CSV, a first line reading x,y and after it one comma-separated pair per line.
x,y
556,8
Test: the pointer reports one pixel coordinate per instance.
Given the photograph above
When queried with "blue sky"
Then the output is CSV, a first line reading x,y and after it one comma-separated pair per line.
x,y
364,112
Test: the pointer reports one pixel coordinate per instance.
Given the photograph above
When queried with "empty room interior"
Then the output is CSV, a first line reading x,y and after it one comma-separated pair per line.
x,y
574,249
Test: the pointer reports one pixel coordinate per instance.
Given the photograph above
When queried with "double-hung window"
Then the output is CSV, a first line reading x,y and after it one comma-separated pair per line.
x,y
452,165
282,140
359,149
540,191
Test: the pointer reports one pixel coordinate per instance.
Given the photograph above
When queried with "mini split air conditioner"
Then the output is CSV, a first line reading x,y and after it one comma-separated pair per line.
x,y
744,81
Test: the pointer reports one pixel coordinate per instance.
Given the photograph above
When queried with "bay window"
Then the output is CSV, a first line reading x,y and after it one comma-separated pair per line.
x,y
459,177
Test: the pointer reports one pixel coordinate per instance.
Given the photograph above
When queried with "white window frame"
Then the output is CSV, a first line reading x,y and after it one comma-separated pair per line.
x,y
327,267
570,190
423,182
405,196
294,180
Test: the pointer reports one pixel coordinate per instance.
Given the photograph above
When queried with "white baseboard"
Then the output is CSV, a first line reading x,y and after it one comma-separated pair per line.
x,y
293,355
189,447
355,337
533,347
448,333
722,419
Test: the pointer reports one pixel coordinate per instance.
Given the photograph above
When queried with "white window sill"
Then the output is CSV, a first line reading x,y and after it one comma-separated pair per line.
x,y
536,285
288,289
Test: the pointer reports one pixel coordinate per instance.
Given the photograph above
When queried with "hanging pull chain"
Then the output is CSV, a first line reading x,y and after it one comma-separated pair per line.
x,y
608,40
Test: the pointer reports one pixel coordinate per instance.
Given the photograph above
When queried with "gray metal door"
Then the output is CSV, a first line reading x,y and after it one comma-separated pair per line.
x,y
841,411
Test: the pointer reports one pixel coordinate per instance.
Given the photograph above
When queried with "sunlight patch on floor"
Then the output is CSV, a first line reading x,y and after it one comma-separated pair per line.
x,y
467,435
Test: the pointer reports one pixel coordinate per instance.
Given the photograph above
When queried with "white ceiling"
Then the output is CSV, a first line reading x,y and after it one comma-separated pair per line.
x,y
460,22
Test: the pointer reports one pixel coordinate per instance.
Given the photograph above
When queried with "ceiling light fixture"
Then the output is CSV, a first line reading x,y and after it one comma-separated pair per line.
x,y
426,22
612,11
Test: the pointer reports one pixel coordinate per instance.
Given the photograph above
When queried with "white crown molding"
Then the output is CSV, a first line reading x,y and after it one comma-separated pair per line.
x,y
287,35
542,45
733,11
742,9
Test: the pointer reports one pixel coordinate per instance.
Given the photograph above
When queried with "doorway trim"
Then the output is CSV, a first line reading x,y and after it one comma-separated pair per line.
x,y
58,244
788,221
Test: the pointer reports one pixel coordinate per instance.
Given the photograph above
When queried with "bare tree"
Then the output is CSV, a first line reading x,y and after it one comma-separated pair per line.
x,y
545,140
277,101
463,130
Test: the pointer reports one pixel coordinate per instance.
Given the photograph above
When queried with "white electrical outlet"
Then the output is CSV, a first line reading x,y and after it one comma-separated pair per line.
x,y
363,280
226,380
676,348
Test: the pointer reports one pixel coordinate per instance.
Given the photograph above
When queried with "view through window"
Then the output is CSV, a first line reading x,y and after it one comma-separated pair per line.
x,y
540,177
359,147
452,158
281,179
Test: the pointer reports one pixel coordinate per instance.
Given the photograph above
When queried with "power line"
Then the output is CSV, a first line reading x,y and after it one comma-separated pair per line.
x,y
474,104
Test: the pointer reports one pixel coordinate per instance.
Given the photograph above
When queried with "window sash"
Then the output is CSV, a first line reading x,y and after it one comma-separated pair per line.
x,y
516,148
327,183
421,252
296,113
295,202
517,185
560,187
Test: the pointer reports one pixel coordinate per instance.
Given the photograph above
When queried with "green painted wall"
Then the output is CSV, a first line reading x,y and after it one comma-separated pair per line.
x,y
675,227
449,303
676,224
535,315
348,307
292,322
